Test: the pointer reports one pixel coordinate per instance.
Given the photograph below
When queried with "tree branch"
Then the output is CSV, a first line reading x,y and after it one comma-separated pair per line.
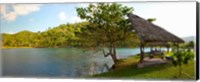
x,y
106,54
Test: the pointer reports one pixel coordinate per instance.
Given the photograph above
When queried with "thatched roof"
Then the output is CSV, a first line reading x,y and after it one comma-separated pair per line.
x,y
151,33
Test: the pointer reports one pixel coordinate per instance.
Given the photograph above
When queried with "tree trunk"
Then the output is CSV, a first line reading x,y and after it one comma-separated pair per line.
x,y
167,48
141,53
160,48
114,57
114,54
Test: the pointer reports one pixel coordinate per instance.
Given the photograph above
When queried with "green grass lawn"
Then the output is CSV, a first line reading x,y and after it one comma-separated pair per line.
x,y
127,69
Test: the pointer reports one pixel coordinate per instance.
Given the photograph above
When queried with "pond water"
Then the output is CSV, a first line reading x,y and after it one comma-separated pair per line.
x,y
57,62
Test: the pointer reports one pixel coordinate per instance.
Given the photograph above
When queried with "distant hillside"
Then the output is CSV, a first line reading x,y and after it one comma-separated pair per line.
x,y
59,36
189,38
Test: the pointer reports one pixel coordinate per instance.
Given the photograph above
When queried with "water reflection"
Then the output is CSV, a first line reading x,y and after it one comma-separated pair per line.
x,y
92,68
57,62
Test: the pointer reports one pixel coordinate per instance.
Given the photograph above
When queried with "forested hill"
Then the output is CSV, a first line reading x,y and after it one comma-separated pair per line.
x,y
60,36
64,35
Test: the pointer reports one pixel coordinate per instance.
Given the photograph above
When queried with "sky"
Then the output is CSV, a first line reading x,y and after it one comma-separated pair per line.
x,y
178,18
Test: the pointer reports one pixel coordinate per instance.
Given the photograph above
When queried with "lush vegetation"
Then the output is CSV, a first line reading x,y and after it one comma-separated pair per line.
x,y
188,45
60,36
180,57
127,68
64,35
108,27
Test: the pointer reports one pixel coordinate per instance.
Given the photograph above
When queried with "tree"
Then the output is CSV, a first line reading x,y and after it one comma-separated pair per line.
x,y
180,57
190,45
107,27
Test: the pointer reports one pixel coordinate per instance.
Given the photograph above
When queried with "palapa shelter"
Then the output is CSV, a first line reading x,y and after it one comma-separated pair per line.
x,y
151,34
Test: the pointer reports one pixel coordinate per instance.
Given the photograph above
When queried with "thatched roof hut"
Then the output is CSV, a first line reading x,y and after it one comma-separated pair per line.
x,y
151,33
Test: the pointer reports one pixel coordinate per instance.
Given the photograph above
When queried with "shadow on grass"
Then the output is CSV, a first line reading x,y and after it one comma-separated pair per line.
x,y
130,70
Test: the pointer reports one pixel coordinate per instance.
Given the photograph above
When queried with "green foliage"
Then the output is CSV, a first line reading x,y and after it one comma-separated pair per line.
x,y
107,25
64,35
180,57
60,36
189,45
22,38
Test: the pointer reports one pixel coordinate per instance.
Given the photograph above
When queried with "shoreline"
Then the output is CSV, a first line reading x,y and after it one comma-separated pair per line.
x,y
3,47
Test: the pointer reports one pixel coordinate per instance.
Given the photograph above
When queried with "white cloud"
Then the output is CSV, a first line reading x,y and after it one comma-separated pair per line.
x,y
62,16
11,32
18,10
74,19
82,5
10,16
67,18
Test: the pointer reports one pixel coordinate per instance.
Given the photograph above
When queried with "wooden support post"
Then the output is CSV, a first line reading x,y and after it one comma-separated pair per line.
x,y
167,49
177,47
168,46
160,48
151,49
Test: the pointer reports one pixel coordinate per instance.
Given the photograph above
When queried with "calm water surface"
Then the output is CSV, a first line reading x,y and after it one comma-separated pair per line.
x,y
57,62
